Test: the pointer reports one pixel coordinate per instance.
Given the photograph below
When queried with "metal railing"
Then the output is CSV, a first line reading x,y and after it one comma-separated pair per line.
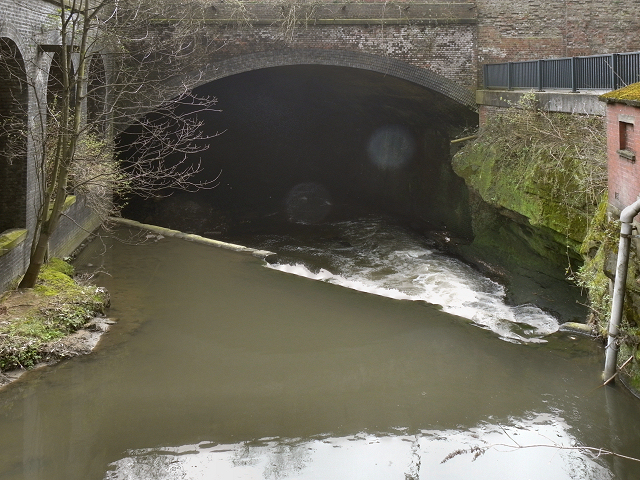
x,y
595,72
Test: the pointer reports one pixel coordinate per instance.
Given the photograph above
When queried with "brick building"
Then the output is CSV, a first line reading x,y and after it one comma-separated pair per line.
x,y
623,145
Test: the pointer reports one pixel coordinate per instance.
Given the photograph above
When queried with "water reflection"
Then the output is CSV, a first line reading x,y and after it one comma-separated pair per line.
x,y
536,447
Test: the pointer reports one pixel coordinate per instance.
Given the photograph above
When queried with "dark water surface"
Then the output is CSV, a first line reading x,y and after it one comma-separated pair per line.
x,y
220,368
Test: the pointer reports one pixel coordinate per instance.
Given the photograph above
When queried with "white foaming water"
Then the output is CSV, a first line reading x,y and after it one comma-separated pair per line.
x,y
390,262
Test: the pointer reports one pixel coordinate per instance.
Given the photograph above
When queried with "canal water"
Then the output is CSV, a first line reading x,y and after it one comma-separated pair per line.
x,y
386,363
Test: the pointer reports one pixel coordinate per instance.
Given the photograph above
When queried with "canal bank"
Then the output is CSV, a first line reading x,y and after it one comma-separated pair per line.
x,y
546,170
59,318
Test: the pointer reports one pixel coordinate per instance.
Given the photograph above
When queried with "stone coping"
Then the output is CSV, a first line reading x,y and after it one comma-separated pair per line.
x,y
581,103
10,239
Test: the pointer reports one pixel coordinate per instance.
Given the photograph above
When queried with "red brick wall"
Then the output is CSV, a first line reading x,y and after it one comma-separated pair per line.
x,y
511,31
624,174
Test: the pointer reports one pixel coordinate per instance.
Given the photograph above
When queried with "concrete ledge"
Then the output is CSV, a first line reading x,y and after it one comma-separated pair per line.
x,y
10,239
583,103
167,232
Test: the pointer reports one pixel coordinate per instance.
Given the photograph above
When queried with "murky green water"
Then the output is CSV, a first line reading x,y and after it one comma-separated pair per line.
x,y
220,368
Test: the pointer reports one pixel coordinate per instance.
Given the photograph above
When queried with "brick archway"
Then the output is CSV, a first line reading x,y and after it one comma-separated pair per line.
x,y
339,58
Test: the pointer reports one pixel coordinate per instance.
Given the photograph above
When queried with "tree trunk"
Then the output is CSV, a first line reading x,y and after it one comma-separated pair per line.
x,y
36,261
40,251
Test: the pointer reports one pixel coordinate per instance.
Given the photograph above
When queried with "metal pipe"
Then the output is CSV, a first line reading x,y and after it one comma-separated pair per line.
x,y
464,139
611,352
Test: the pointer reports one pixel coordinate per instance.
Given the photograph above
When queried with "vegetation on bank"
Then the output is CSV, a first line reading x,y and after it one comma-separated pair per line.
x,y
600,239
600,251
548,171
32,320
548,167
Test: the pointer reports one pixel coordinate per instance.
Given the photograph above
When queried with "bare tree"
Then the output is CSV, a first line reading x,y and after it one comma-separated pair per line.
x,y
118,63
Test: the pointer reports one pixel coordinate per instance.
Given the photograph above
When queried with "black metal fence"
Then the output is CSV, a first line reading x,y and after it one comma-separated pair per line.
x,y
595,72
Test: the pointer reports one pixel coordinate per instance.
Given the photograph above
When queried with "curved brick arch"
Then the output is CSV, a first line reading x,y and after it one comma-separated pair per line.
x,y
14,111
10,32
340,58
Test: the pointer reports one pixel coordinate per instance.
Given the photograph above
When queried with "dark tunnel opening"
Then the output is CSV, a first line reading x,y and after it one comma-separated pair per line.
x,y
311,144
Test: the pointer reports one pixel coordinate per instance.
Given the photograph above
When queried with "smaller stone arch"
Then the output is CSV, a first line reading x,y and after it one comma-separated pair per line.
x,y
97,94
14,105
340,58
54,84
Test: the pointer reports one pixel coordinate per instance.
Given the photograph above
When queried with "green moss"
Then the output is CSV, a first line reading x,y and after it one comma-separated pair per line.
x,y
547,168
60,306
61,266
53,280
631,371
519,187
630,93
600,239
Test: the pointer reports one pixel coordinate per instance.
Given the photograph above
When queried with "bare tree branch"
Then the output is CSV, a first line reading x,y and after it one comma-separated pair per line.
x,y
116,61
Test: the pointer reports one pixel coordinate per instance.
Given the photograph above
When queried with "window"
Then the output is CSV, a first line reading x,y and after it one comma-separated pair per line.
x,y
625,129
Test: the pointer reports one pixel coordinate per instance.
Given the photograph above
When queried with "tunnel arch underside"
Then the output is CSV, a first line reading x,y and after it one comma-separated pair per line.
x,y
367,140
13,144
340,58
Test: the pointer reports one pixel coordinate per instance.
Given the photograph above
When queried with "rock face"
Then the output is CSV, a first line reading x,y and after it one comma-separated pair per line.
x,y
533,193
522,189
527,215
519,212
544,171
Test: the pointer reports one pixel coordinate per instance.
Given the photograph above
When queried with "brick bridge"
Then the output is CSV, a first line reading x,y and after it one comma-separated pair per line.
x,y
439,45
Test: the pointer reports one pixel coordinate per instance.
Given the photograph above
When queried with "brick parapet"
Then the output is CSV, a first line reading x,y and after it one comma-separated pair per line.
x,y
344,13
530,29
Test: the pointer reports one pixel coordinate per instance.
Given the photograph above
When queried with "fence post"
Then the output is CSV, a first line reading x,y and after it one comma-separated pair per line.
x,y
574,74
614,71
540,84
509,73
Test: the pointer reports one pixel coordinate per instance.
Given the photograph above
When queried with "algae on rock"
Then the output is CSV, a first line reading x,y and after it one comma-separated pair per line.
x,y
600,251
550,168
